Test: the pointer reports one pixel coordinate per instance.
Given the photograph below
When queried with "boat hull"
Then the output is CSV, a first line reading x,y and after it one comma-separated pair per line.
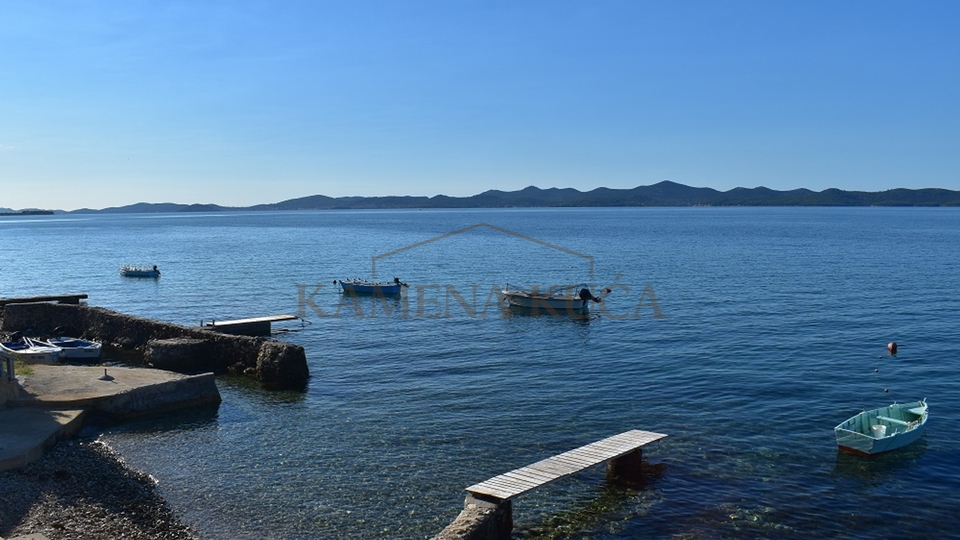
x,y
546,302
139,272
30,353
883,429
365,287
76,349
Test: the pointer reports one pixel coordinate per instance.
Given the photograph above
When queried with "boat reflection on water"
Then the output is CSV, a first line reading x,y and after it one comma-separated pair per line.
x,y
510,311
879,465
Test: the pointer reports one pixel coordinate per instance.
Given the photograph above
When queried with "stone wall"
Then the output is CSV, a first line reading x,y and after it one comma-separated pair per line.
x,y
480,520
275,364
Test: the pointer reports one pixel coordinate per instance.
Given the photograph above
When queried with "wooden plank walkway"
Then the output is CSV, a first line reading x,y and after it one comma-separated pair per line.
x,y
518,481
60,299
256,326
254,320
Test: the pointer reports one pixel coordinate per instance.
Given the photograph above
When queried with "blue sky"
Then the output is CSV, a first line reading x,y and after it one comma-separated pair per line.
x,y
105,103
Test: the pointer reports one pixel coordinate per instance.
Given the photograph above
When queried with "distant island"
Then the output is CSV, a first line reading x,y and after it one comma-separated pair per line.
x,y
28,213
661,194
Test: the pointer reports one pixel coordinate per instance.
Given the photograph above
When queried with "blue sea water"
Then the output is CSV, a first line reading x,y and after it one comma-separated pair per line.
x,y
745,334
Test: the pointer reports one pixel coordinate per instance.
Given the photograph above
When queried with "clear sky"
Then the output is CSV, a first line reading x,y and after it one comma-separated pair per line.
x,y
106,103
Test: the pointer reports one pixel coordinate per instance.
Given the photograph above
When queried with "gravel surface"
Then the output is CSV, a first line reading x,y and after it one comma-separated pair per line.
x,y
81,490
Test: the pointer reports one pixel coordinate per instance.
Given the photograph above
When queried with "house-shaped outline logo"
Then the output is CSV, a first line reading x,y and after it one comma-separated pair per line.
x,y
494,227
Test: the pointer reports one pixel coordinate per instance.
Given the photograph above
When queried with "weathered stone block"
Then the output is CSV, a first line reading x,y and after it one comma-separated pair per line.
x,y
282,365
183,355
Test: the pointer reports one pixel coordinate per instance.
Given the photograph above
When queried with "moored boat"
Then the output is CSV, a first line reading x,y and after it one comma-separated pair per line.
x,y
883,429
139,271
30,351
560,299
75,348
360,286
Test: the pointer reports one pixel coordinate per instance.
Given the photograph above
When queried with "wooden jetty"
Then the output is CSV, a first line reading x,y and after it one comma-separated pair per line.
x,y
60,299
519,481
488,510
256,326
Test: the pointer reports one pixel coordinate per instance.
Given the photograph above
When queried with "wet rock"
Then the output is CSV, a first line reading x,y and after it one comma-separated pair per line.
x,y
282,366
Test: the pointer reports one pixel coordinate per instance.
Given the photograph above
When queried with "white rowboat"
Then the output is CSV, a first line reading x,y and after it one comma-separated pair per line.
x,y
74,348
30,351
884,429
558,299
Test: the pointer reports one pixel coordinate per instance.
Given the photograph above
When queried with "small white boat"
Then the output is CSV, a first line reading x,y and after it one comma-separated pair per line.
x,y
139,271
884,429
30,351
560,299
74,348
360,286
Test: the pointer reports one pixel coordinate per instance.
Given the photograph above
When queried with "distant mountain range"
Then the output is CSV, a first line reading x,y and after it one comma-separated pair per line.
x,y
661,194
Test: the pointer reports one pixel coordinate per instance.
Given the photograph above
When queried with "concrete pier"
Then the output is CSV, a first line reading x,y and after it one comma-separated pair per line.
x,y
256,326
51,403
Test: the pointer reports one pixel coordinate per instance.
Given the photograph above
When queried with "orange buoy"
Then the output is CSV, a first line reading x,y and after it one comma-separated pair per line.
x,y
892,348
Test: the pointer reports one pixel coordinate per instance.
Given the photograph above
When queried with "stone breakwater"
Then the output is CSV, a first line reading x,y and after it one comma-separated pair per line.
x,y
275,364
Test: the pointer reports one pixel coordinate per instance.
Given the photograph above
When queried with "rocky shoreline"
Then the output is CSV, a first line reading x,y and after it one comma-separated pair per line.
x,y
82,490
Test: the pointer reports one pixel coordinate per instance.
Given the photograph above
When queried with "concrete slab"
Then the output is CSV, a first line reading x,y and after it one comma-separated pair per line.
x,y
54,399
26,433
55,385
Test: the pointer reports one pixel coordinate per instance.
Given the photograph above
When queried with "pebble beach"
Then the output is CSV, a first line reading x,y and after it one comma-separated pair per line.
x,y
82,490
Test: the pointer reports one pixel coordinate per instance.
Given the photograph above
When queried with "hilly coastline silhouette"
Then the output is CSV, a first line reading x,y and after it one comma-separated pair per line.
x,y
661,194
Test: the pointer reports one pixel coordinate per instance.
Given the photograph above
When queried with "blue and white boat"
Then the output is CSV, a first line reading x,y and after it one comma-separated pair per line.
x,y
360,286
74,348
30,351
139,271
884,429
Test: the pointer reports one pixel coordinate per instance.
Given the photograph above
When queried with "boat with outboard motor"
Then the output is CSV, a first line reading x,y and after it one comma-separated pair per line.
x,y
558,298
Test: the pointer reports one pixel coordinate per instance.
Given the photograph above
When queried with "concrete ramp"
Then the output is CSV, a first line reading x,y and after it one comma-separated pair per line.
x,y
26,433
54,399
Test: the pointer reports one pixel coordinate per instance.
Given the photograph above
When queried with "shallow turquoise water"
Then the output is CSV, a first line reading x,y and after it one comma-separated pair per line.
x,y
774,321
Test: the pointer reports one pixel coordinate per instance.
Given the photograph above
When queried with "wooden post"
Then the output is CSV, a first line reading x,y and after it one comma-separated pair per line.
x,y
626,468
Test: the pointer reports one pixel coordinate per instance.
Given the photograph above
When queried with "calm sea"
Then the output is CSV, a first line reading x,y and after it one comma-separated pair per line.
x,y
772,329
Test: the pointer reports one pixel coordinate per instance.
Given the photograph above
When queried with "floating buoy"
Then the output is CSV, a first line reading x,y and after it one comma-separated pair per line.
x,y
892,348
